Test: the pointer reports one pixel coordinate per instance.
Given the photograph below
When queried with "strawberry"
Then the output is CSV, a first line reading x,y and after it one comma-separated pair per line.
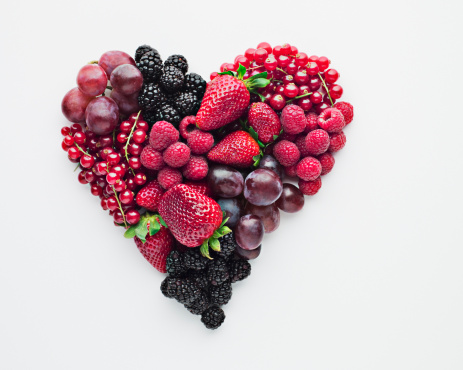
x,y
264,121
193,218
149,196
237,149
227,98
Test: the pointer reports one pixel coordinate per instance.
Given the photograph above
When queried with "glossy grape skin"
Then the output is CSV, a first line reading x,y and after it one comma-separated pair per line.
x,y
112,59
102,115
270,215
127,104
262,187
291,199
92,80
225,181
126,79
270,163
249,232
248,255
74,104
232,208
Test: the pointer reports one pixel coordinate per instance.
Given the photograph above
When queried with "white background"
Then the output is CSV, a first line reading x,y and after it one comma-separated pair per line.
x,y
368,276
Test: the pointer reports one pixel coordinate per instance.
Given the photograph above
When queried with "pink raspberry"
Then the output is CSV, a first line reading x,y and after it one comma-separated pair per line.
x,y
346,109
200,186
176,154
337,142
317,142
310,187
331,120
286,136
300,143
308,169
162,135
312,122
327,162
151,158
290,171
286,153
169,177
187,126
293,119
196,168
200,142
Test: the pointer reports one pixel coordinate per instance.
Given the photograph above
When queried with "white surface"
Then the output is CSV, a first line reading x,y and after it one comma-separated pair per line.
x,y
367,276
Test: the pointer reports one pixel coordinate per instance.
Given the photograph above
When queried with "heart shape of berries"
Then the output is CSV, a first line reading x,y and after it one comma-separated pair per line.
x,y
193,171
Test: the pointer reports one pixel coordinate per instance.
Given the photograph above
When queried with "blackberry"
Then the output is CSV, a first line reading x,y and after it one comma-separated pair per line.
x,y
172,79
168,113
151,97
227,246
150,66
141,50
183,290
177,61
187,103
194,260
196,84
149,116
217,271
221,294
199,305
239,270
174,264
213,317
164,288
199,277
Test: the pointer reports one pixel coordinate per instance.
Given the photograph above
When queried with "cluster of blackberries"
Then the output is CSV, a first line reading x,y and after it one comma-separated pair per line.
x,y
168,92
203,285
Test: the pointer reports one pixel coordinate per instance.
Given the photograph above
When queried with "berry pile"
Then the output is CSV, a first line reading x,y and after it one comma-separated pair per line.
x,y
198,173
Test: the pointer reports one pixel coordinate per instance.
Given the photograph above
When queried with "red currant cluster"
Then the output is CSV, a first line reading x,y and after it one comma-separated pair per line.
x,y
111,164
295,77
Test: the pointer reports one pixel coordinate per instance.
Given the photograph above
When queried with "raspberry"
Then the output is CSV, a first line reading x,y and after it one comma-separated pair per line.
x,y
162,135
200,142
309,169
317,142
290,171
300,143
151,158
169,177
337,141
286,153
293,119
346,109
286,136
196,168
187,125
327,162
176,155
310,187
312,122
331,120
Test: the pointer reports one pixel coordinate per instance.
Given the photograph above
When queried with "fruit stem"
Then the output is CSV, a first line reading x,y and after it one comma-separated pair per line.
x,y
93,62
78,147
300,96
326,88
128,141
120,206
279,69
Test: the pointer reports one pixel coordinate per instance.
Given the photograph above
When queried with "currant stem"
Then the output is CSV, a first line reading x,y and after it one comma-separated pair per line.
x,y
78,147
120,206
128,140
326,88
300,96
279,69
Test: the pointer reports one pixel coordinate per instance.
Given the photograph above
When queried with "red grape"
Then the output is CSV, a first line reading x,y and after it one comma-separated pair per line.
x,y
232,208
291,199
270,215
112,59
249,232
92,80
102,115
126,79
74,104
225,182
262,187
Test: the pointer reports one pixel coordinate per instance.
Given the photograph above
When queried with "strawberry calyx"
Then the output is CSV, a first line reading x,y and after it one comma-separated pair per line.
x,y
252,83
213,241
255,136
149,224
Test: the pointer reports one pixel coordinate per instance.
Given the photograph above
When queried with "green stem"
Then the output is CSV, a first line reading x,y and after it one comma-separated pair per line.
x,y
120,206
279,69
128,141
93,62
78,147
326,88
298,97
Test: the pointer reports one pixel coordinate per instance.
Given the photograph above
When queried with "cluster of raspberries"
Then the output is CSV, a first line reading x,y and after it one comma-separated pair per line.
x,y
306,145
204,285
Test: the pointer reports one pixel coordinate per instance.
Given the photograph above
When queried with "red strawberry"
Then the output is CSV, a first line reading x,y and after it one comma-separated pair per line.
x,y
263,119
236,149
150,195
193,218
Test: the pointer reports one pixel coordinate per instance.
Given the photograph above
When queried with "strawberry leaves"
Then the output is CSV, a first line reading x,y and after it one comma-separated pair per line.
x,y
148,224
213,242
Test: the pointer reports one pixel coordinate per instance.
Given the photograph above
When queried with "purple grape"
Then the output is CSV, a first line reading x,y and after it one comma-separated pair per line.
x,y
270,163
102,115
126,79
92,80
291,199
232,208
74,104
112,59
262,187
249,232
270,215
225,182
127,104
248,255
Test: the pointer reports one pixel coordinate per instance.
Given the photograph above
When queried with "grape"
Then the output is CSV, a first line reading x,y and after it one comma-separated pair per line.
x,y
225,182
270,163
232,208
92,80
126,79
249,232
102,115
112,59
74,104
270,215
248,255
127,104
262,187
291,199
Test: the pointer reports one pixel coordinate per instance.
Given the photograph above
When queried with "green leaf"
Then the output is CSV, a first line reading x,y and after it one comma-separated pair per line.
x,y
253,133
214,244
163,223
262,98
204,249
154,227
257,76
130,233
224,220
225,230
240,72
258,83
275,137
227,73
216,234
257,159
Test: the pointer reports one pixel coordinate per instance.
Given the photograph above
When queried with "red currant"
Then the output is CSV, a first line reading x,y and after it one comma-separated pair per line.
x,y
140,178
74,153
301,59
316,98
90,176
323,63
249,54
313,58
125,126
301,77
135,163
331,76
131,185
75,127
292,68
81,177
112,203
314,83
87,161
287,79
143,125
105,141
266,46
279,89
260,55
92,144
139,136
120,185
243,61
213,75
68,140
120,170
291,90
133,117
118,217
270,64
283,61
277,51
304,103
104,204
135,149
294,50
303,89
277,102
122,137
285,49
112,177
319,108
65,131
336,91
132,217
126,197
101,168
113,158
96,190
64,146
312,68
